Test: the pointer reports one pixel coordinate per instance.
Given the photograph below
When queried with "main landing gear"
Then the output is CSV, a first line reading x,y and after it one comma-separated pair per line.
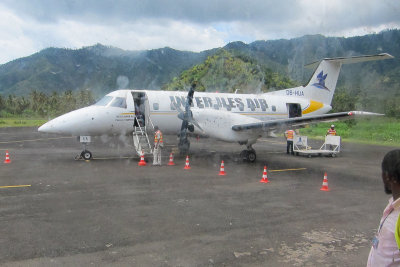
x,y
249,154
85,154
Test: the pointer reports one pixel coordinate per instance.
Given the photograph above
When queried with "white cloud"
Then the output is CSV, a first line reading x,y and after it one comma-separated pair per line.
x,y
13,42
26,37
27,27
139,36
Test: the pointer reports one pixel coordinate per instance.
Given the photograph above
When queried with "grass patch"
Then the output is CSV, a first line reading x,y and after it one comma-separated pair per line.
x,y
21,122
379,130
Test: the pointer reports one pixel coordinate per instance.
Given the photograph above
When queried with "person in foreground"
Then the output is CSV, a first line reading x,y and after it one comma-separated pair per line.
x,y
385,245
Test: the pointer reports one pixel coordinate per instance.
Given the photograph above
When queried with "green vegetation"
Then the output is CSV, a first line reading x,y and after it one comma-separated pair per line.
x,y
226,71
380,130
41,105
21,122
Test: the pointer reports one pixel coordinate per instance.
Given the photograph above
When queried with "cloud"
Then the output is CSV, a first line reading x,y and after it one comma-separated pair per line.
x,y
141,35
205,11
29,26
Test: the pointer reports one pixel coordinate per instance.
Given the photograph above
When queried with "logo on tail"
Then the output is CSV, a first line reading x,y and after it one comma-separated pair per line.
x,y
321,81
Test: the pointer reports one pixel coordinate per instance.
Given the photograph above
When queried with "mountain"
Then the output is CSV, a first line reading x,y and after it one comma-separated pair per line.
x,y
98,68
103,69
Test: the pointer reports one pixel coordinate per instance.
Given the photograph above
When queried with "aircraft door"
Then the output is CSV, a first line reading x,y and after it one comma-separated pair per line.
x,y
294,110
141,112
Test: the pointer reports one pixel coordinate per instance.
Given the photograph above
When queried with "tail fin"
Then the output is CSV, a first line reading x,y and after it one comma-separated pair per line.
x,y
322,84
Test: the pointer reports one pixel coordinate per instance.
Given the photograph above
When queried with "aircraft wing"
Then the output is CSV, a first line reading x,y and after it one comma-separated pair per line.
x,y
299,122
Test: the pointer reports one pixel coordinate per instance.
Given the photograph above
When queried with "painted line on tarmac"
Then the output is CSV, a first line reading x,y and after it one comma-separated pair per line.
x,y
34,140
285,170
14,186
114,158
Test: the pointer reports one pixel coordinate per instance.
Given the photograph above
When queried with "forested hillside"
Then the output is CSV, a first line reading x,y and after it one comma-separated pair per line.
x,y
228,71
98,68
260,66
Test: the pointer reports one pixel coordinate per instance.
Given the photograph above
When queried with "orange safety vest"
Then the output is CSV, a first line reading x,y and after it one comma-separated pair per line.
x,y
331,132
289,135
158,138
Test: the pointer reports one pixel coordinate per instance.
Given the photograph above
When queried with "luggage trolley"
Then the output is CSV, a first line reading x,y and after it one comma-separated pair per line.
x,y
331,146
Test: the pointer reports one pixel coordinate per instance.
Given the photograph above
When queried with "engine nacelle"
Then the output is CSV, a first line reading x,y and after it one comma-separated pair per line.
x,y
218,124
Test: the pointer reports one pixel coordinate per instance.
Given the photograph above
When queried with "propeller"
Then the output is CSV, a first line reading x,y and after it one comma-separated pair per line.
x,y
187,122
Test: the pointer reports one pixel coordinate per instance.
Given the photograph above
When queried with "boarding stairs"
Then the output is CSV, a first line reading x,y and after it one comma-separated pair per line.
x,y
141,139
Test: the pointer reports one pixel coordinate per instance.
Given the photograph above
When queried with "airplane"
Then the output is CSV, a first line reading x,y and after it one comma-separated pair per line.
x,y
231,117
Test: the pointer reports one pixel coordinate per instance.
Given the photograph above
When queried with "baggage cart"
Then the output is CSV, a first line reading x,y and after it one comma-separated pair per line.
x,y
331,146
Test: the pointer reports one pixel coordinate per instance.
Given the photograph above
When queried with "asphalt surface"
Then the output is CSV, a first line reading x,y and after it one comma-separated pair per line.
x,y
111,212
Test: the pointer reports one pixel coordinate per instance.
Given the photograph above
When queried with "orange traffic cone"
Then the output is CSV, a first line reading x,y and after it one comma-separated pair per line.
x,y
171,160
7,158
264,178
325,184
222,169
187,166
142,162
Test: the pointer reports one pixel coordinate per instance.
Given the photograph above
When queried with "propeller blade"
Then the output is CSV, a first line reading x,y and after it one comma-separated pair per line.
x,y
186,117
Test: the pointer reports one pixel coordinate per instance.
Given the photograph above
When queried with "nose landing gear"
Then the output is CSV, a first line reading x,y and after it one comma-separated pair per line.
x,y
85,154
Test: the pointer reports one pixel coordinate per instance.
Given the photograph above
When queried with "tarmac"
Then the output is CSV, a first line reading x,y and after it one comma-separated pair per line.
x,y
109,211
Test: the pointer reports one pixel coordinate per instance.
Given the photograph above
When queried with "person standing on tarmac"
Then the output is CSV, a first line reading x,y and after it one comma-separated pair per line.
x,y
158,145
289,134
331,131
386,243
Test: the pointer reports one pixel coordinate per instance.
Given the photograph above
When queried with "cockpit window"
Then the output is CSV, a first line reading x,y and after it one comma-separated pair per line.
x,y
118,102
104,101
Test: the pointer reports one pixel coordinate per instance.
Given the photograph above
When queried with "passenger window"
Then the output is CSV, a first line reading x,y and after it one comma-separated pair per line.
x,y
156,106
118,102
273,108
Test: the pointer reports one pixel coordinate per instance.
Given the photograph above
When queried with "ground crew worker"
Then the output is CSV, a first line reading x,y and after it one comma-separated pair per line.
x,y
289,134
331,131
385,245
158,145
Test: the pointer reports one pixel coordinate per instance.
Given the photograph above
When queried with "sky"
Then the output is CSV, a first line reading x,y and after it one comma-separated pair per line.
x,y
28,26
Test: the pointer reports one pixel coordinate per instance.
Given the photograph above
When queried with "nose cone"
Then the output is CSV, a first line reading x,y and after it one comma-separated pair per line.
x,y
57,125
68,123
82,121
47,128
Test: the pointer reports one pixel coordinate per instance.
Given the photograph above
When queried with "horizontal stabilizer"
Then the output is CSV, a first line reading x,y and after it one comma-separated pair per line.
x,y
350,60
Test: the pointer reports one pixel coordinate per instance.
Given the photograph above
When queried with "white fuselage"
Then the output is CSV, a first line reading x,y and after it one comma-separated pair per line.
x,y
216,113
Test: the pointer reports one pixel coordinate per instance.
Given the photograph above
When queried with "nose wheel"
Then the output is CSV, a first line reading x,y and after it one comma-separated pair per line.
x,y
86,155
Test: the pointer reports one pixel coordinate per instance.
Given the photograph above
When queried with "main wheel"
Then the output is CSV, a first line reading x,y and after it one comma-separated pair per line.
x,y
251,156
86,155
